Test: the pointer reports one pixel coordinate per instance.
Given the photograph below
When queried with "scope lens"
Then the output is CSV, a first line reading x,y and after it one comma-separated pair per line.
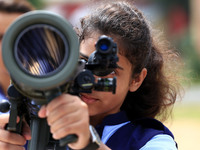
x,y
103,45
41,50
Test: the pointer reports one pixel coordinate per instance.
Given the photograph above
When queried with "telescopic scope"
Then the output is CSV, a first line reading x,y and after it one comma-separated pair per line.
x,y
40,51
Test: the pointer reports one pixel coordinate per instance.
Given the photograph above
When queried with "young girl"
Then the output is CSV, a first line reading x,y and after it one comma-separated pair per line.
x,y
125,120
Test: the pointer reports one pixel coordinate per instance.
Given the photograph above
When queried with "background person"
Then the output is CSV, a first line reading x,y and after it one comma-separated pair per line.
x,y
9,11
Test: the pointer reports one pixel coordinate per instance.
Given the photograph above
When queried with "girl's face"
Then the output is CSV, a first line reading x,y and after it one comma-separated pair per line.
x,y
104,103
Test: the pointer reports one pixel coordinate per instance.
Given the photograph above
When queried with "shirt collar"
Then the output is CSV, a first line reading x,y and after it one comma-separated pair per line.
x,y
114,119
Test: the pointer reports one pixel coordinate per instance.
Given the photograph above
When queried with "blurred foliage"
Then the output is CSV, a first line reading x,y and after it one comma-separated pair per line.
x,y
184,42
38,4
191,58
168,4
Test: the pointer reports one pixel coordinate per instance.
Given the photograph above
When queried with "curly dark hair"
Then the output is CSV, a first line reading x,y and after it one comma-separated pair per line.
x,y
123,21
15,6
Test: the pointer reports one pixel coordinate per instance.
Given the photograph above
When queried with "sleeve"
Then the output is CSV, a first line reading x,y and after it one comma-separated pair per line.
x,y
160,142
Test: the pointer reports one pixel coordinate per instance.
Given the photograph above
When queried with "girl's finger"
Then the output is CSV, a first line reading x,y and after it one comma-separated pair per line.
x,y
4,119
60,100
64,131
6,146
63,121
12,138
42,112
26,132
61,111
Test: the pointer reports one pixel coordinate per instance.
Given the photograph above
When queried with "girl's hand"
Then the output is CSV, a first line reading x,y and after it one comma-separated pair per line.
x,y
13,141
66,115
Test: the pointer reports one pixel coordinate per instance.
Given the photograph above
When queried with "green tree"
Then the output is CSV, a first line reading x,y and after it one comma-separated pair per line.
x,y
38,4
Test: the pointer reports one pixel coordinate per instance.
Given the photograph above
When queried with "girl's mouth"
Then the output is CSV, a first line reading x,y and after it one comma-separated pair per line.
x,y
88,99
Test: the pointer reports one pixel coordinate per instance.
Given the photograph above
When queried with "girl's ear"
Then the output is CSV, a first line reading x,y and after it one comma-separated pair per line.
x,y
136,82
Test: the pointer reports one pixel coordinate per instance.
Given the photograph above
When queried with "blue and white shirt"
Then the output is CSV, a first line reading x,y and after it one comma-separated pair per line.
x,y
118,133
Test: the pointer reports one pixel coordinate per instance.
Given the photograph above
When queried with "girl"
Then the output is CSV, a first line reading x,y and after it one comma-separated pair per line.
x,y
125,120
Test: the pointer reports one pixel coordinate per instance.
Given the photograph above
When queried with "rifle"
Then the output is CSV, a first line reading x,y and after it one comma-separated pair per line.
x,y
41,53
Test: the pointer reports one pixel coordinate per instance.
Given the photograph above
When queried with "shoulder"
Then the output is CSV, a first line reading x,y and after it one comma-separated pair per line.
x,y
160,142
138,133
151,126
153,131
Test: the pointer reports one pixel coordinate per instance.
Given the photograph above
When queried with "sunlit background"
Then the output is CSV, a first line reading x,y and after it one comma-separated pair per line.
x,y
179,20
